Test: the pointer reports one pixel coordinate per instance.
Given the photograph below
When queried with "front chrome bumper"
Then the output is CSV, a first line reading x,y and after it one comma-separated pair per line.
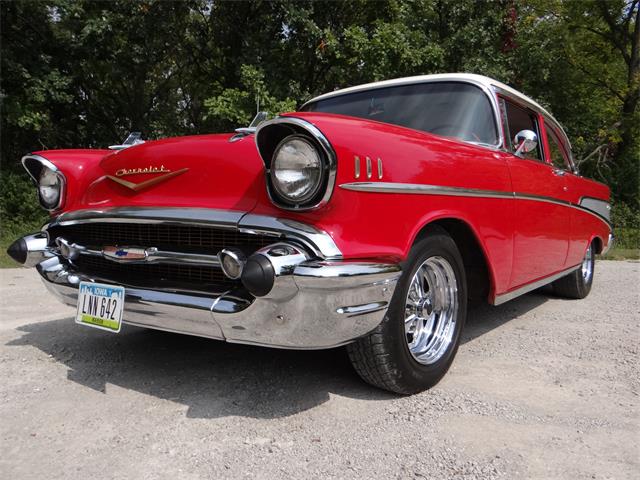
x,y
317,300
329,304
610,242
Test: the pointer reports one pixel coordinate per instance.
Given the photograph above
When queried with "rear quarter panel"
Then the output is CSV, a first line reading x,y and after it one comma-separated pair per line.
x,y
585,226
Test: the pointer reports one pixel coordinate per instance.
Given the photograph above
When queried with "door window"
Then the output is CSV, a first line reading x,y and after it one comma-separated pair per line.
x,y
556,153
518,119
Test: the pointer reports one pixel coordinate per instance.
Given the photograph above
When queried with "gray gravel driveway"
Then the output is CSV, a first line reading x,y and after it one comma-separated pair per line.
x,y
541,388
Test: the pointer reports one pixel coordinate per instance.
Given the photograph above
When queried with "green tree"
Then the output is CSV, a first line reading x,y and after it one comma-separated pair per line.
x,y
80,73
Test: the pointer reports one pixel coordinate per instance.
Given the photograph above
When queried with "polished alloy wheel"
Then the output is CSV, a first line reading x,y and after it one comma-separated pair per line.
x,y
431,310
587,265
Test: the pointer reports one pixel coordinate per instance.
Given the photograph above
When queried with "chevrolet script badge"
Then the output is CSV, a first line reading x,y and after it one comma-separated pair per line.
x,y
136,187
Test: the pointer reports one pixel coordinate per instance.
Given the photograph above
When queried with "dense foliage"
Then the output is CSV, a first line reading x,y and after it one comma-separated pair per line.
x,y
78,73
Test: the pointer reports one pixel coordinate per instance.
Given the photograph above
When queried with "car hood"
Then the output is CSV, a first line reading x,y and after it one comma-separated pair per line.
x,y
208,171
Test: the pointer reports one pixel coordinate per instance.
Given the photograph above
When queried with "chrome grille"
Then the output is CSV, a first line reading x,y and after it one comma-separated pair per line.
x,y
163,236
150,275
171,237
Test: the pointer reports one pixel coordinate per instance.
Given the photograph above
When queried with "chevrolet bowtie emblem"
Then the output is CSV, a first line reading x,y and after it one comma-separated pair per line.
x,y
136,187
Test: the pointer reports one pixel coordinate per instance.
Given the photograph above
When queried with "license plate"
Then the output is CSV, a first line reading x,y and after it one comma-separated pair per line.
x,y
100,306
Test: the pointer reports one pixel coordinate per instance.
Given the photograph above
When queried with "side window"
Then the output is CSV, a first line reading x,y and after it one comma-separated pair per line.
x,y
556,153
518,119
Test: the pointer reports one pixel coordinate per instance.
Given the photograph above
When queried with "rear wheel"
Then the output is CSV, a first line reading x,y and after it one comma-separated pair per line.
x,y
578,283
416,342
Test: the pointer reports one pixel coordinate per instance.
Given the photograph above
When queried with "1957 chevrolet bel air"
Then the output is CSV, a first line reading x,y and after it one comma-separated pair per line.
x,y
368,218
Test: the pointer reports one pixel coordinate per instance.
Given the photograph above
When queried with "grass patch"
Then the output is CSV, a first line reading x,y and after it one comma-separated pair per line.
x,y
622,254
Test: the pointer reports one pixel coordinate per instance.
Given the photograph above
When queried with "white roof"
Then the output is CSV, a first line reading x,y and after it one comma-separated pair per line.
x,y
480,80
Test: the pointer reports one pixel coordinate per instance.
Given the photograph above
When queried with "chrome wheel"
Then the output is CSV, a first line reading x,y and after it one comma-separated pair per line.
x,y
431,310
587,265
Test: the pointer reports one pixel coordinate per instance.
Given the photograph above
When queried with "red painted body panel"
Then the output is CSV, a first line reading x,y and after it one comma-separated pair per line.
x,y
541,233
220,174
522,240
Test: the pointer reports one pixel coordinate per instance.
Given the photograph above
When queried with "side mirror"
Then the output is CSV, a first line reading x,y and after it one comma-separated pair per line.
x,y
525,141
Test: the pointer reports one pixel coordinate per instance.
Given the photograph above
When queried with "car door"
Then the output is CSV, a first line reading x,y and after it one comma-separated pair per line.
x,y
542,218
560,158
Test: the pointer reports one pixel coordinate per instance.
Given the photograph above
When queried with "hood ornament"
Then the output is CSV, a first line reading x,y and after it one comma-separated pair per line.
x,y
136,187
134,138
253,126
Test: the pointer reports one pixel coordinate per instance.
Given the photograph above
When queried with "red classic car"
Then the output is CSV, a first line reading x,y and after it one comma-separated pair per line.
x,y
368,218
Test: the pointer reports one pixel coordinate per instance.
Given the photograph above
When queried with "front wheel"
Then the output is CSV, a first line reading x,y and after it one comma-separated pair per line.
x,y
578,283
416,342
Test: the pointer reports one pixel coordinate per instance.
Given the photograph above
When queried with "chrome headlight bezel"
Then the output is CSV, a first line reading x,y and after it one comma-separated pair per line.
x,y
46,175
268,138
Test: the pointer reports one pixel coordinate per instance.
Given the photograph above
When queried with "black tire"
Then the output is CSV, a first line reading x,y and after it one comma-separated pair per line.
x,y
577,285
382,358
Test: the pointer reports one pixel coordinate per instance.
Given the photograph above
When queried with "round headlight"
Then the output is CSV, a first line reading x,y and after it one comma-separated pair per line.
x,y
50,188
296,169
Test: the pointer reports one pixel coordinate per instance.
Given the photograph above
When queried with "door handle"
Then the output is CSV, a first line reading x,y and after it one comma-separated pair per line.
x,y
558,172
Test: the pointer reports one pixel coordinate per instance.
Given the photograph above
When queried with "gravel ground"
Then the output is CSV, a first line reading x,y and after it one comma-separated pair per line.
x,y
541,388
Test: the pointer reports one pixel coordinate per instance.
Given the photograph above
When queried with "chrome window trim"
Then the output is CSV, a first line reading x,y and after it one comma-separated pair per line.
x,y
470,80
556,130
425,189
318,241
326,147
46,164
519,102
526,102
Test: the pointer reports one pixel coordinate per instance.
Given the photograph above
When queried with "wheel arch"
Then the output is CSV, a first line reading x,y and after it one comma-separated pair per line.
x,y
597,243
480,274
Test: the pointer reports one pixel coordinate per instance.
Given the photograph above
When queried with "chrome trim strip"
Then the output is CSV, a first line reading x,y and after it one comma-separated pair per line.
x,y
541,198
368,167
325,145
319,241
379,168
46,164
170,215
71,251
357,166
424,189
356,310
505,297
180,258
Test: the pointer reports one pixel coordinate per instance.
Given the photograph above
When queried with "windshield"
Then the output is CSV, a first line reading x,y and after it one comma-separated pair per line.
x,y
451,109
